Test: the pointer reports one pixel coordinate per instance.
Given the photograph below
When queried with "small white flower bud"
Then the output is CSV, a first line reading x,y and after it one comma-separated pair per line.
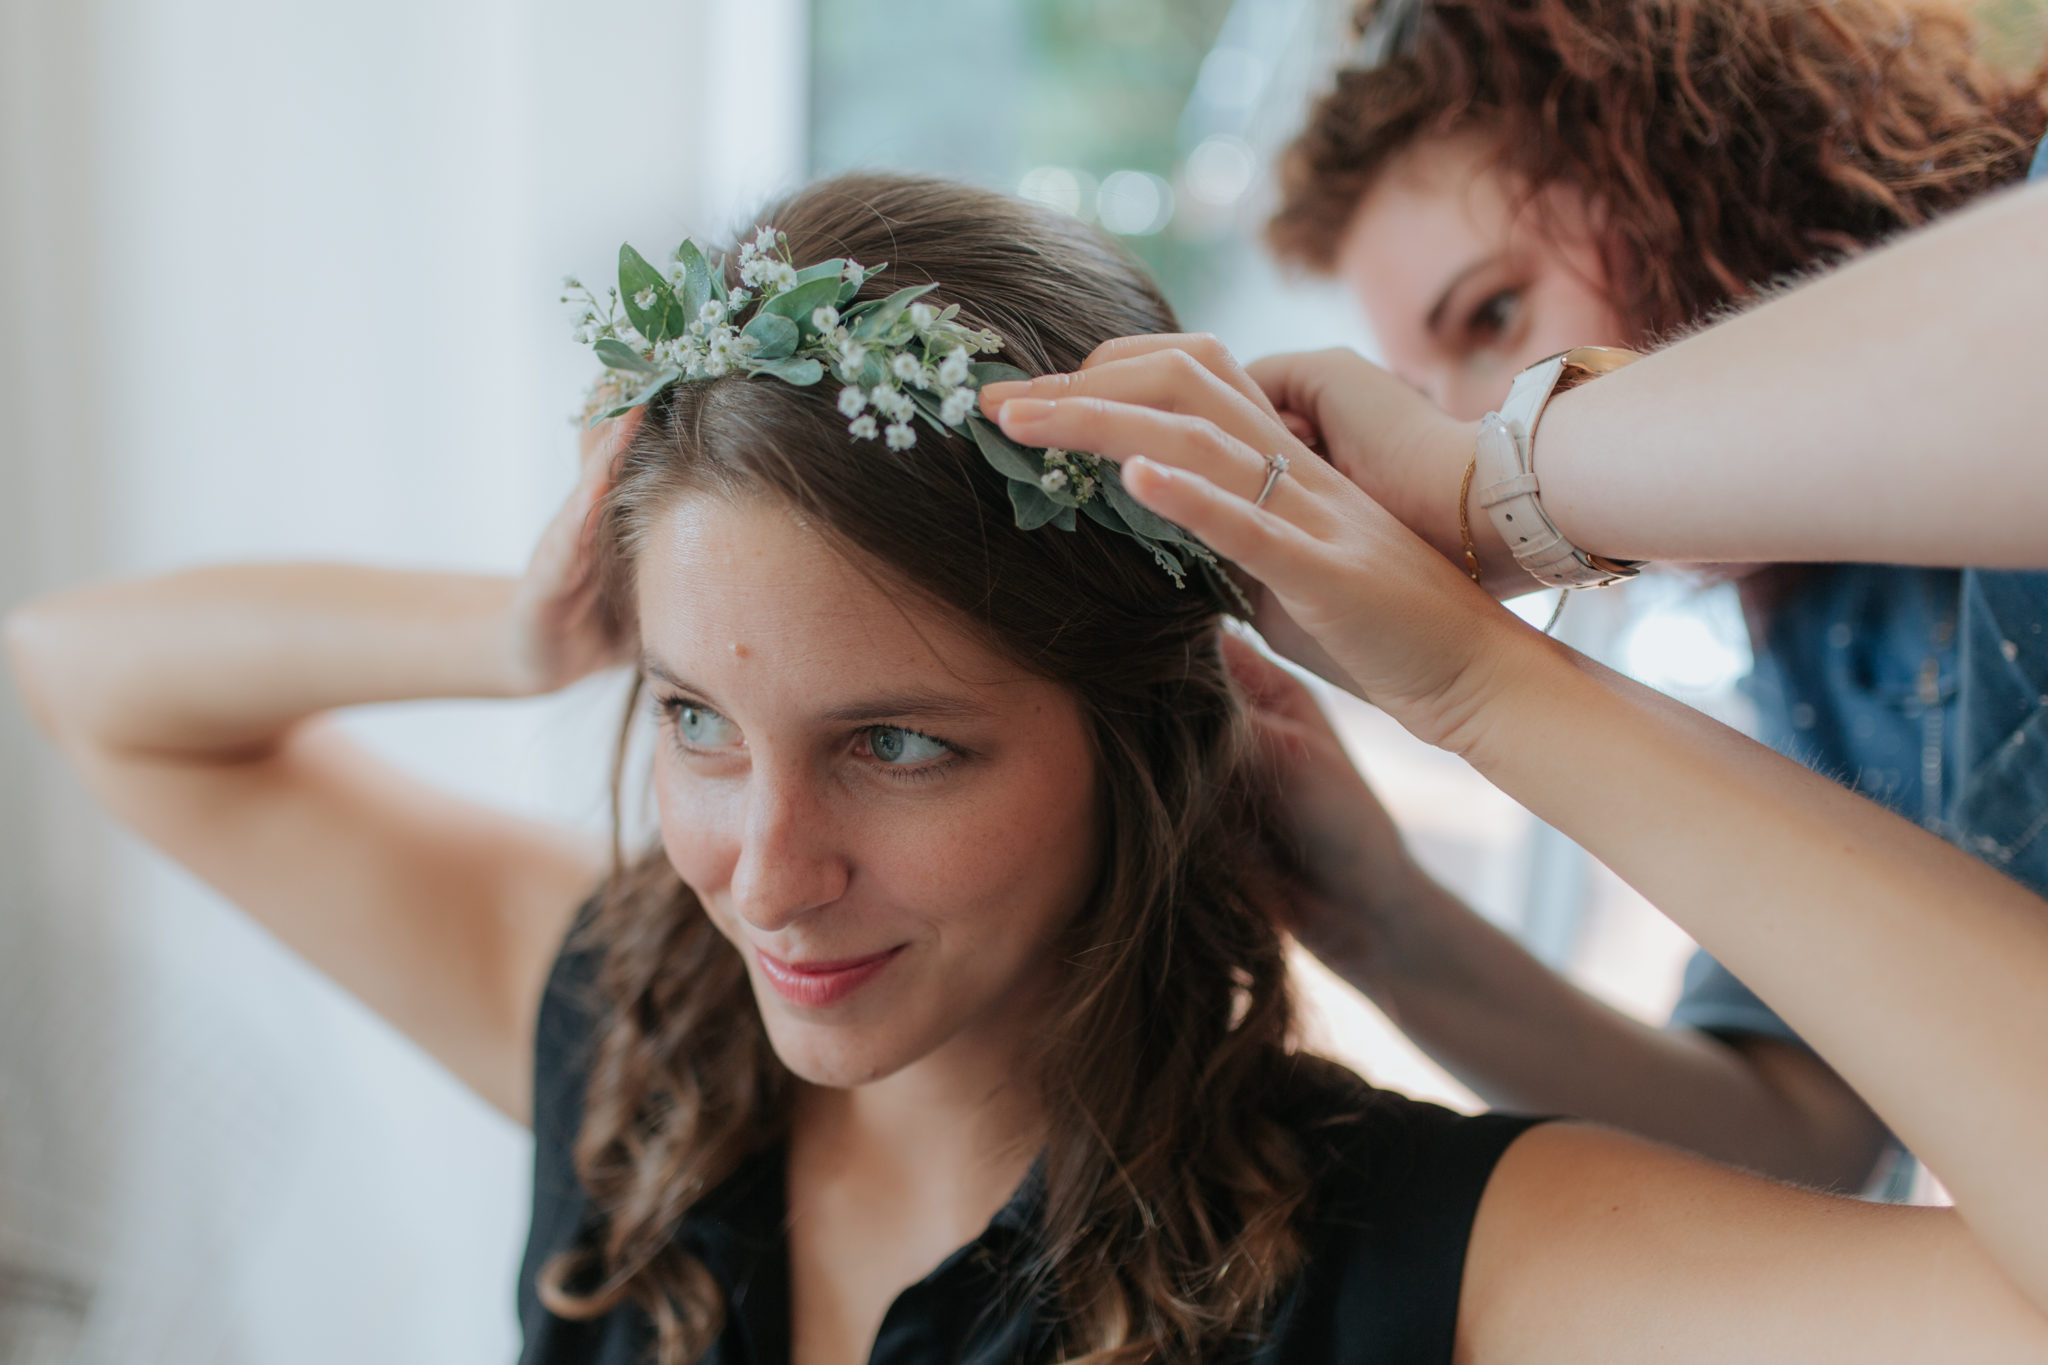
x,y
852,401
905,367
901,436
863,427
1053,480
851,272
825,318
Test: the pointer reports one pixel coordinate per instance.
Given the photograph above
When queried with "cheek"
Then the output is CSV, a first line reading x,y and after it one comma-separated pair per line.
x,y
698,835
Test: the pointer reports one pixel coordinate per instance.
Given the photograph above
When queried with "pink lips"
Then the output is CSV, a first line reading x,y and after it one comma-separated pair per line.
x,y
816,985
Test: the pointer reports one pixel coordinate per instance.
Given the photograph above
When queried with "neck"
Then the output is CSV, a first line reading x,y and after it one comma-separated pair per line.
x,y
942,1143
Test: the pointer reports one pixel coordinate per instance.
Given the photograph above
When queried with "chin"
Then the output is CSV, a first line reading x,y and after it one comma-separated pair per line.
x,y
838,1056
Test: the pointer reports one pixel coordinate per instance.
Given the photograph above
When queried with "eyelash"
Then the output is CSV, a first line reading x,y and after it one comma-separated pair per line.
x,y
671,707
1480,325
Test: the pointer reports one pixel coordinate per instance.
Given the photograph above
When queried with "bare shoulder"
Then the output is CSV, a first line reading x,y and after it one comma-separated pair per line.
x,y
1592,1246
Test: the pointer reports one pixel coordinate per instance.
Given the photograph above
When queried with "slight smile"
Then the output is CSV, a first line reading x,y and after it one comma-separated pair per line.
x,y
819,985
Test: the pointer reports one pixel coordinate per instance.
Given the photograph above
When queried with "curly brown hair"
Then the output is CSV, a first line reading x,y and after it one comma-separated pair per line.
x,y
1174,1187
1724,143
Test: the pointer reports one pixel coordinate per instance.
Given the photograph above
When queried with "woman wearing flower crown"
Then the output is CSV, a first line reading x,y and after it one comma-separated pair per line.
x,y
948,1021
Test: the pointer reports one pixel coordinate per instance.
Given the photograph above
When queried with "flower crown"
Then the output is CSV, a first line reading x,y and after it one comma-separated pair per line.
x,y
899,361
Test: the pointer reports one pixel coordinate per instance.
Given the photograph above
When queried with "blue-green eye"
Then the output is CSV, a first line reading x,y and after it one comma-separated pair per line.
x,y
905,748
700,727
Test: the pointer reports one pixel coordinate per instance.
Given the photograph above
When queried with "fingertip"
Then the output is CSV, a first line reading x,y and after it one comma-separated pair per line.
x,y
1144,475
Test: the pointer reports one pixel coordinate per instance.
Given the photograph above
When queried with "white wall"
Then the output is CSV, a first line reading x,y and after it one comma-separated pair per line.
x,y
280,280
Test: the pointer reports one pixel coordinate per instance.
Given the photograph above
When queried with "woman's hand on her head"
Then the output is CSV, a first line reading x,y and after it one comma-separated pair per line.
x,y
1349,872
1396,622
560,629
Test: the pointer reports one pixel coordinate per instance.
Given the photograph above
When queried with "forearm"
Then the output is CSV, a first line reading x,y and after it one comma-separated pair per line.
x,y
1525,1039
1891,411
222,661
1919,973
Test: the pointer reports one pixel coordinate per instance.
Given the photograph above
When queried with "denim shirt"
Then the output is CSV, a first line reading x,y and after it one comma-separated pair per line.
x,y
1924,689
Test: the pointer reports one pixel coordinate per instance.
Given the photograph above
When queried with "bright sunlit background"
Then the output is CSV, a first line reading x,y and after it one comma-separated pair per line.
x,y
280,280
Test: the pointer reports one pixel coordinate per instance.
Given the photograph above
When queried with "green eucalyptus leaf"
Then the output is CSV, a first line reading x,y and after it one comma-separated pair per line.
x,y
1033,508
617,355
882,319
1102,513
718,280
799,303
823,270
995,372
697,290
1004,455
1065,520
800,371
1143,522
774,336
664,318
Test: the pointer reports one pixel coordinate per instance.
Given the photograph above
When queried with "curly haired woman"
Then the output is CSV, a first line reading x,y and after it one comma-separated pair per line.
x,y
1499,180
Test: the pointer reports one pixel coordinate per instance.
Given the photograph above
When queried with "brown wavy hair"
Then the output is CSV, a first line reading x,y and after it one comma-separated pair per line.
x,y
1173,1188
1724,143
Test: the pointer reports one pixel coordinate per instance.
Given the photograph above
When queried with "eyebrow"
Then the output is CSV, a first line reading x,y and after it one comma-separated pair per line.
x,y
1443,299
888,706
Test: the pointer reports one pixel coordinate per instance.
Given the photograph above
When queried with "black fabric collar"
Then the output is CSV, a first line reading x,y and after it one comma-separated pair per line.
x,y
960,1312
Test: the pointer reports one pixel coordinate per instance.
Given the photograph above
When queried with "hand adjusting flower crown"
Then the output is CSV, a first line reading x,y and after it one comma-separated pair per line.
x,y
898,359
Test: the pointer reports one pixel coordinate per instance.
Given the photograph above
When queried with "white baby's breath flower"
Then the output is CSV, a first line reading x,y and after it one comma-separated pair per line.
x,y
953,370
863,427
901,436
737,299
905,367
959,403
922,316
712,313
765,239
645,298
852,401
825,317
1053,480
851,272
779,277
852,355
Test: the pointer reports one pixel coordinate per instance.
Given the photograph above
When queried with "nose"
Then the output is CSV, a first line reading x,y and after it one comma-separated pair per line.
x,y
789,861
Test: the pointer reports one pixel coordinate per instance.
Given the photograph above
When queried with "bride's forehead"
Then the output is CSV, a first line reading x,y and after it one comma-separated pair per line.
x,y
725,585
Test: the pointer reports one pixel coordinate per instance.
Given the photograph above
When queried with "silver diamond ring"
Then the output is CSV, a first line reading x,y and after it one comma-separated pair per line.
x,y
1276,465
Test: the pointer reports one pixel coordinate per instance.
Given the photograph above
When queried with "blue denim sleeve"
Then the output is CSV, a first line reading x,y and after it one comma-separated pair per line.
x,y
2000,811
1714,1001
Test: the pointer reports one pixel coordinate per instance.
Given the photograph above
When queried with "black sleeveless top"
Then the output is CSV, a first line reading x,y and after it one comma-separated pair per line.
x,y
1386,1238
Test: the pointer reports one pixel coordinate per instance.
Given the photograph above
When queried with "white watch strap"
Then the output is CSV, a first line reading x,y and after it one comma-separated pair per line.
x,y
1505,479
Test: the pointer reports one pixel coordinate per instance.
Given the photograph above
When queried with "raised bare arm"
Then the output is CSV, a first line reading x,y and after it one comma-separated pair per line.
x,y
194,705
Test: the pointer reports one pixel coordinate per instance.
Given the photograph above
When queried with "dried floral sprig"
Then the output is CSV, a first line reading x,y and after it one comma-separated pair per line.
x,y
898,360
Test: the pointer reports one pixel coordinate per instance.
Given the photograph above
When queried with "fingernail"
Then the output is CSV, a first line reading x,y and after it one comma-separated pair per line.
x,y
1023,411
